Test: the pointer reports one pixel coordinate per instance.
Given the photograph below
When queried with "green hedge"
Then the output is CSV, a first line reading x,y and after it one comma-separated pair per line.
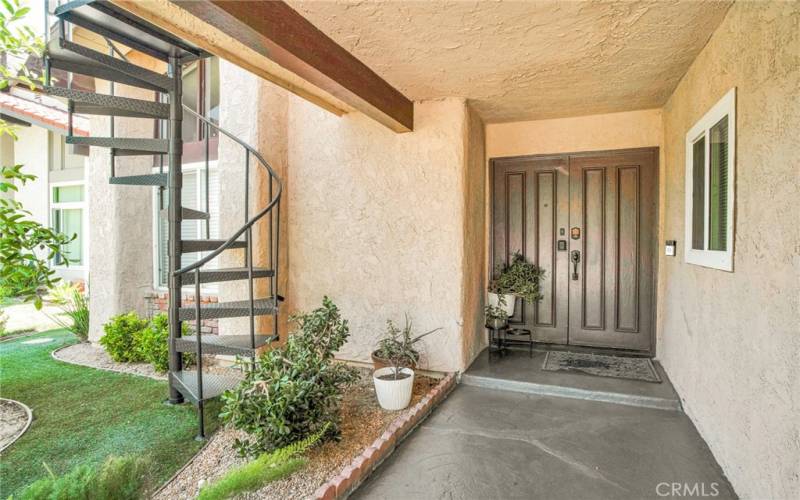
x,y
131,339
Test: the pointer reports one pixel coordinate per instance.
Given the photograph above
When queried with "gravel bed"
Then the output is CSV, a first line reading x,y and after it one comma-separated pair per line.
x,y
14,420
94,356
363,420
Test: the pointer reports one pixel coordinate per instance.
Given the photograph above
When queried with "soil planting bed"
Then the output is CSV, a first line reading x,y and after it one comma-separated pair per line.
x,y
363,420
15,418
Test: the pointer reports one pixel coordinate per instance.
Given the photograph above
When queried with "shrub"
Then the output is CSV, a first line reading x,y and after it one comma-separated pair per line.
x,y
295,390
119,478
266,468
120,337
152,342
75,306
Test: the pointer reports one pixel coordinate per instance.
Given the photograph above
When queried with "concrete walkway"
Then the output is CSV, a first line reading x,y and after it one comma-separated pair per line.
x,y
484,444
25,318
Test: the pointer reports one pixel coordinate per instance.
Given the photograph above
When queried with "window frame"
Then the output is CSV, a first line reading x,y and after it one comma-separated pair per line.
x,y
198,169
71,205
714,259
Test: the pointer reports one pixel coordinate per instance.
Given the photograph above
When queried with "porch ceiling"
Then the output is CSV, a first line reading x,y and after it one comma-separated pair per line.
x,y
525,60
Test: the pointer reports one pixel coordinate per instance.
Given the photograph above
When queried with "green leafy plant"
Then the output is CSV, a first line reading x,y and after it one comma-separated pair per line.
x,y
73,304
26,247
120,337
266,468
397,346
520,278
118,478
294,390
152,342
496,313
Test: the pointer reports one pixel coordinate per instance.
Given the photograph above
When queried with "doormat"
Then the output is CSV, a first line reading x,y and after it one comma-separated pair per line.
x,y
601,365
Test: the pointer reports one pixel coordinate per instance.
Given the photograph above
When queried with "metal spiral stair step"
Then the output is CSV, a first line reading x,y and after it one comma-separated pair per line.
x,y
140,180
232,345
106,19
235,309
90,103
213,384
70,56
226,274
189,246
186,214
132,145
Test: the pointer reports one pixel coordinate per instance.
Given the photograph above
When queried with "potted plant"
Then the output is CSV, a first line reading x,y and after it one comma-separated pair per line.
x,y
519,278
496,316
395,360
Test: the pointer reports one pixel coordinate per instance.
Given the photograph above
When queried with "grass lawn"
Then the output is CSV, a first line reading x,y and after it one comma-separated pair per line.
x,y
82,415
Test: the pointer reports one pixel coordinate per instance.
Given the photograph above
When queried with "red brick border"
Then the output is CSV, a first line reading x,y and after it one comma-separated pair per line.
x,y
353,474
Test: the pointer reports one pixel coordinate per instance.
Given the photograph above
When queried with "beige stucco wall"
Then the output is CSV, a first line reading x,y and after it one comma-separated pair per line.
x,y
120,223
473,336
632,129
731,341
376,221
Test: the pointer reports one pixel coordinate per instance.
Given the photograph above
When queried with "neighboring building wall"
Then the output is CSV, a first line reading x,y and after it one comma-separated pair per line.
x,y
120,223
730,342
376,221
30,150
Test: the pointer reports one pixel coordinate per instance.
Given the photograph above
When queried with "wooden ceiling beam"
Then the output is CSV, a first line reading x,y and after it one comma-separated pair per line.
x,y
275,42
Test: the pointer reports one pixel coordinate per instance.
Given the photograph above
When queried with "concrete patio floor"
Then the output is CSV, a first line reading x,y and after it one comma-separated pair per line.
x,y
492,444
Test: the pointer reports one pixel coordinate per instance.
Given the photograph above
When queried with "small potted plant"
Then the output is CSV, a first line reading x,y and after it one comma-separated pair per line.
x,y
519,278
395,360
496,316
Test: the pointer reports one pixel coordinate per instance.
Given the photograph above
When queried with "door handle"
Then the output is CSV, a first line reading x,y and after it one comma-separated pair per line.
x,y
575,257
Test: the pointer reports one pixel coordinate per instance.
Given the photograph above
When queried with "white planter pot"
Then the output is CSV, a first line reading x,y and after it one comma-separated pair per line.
x,y
494,301
393,394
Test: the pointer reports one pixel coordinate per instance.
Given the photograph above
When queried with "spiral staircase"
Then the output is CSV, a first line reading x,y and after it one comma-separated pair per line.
x,y
120,28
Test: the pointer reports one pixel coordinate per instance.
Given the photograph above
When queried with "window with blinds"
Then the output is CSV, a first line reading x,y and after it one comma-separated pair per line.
x,y
709,186
193,196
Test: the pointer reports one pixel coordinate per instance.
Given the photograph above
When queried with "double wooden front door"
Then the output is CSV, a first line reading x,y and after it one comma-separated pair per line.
x,y
589,221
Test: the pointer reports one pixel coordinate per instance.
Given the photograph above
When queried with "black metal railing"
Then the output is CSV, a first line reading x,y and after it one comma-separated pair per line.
x,y
272,209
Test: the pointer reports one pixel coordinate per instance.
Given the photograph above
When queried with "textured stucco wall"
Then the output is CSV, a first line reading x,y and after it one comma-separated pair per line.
x,y
631,129
473,336
730,341
377,223
120,223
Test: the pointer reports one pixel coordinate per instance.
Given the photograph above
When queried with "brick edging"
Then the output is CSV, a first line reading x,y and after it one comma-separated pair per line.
x,y
353,474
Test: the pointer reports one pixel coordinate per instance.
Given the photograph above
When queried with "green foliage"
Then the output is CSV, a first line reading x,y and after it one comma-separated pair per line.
x,y
520,278
119,478
498,312
25,245
74,304
17,41
266,468
152,342
120,337
397,345
294,390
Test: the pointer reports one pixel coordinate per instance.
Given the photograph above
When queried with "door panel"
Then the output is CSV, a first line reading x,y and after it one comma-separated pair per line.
x,y
530,214
613,204
611,199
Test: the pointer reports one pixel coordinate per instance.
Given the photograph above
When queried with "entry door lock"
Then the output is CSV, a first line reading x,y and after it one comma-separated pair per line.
x,y
575,257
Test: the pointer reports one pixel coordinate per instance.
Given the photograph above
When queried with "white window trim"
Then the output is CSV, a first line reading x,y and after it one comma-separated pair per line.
x,y
714,259
84,220
199,167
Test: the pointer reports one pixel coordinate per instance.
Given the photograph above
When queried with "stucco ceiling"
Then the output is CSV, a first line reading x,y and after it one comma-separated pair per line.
x,y
525,60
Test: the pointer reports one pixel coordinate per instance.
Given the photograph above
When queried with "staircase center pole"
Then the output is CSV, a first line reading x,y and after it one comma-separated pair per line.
x,y
174,220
